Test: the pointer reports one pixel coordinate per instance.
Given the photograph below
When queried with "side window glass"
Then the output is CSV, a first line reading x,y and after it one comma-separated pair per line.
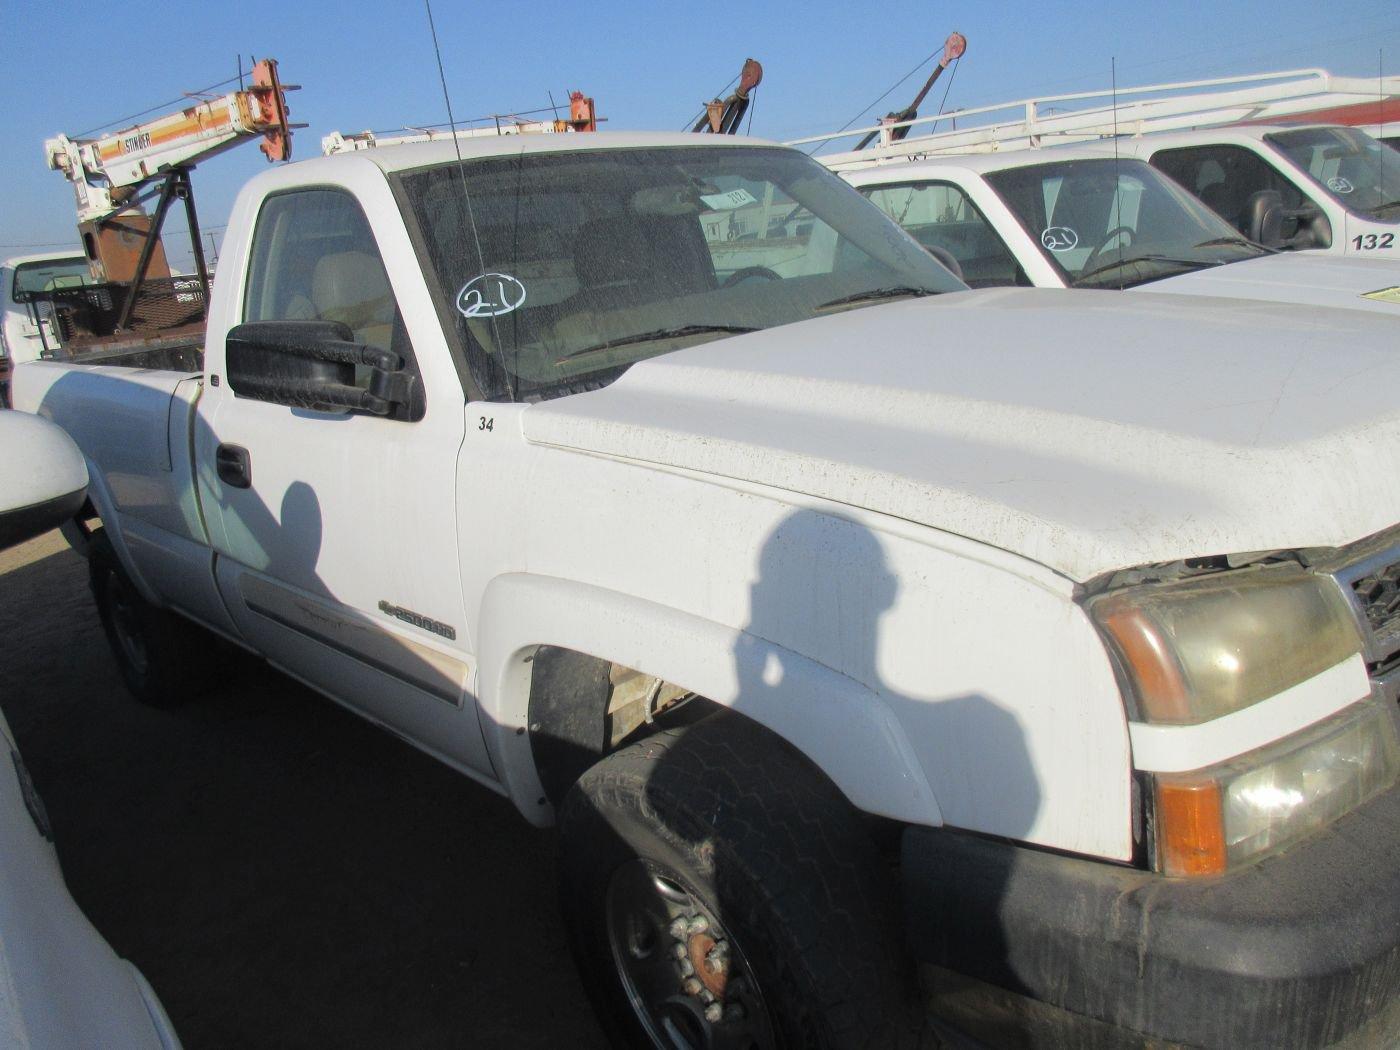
x,y
940,215
314,258
1224,178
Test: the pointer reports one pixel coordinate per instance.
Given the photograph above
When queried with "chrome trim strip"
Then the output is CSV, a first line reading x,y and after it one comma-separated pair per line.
x,y
442,677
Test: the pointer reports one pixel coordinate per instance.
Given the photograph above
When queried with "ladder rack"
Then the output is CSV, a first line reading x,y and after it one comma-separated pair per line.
x,y
583,116
1290,95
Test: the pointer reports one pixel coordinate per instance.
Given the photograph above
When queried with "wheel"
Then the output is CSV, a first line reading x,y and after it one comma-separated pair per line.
x,y
749,272
163,658
719,894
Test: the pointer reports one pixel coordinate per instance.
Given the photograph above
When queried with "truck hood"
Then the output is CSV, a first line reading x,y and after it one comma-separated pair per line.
x,y
1310,278
1088,431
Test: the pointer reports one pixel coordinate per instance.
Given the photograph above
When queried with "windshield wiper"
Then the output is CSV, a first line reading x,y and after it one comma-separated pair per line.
x,y
1215,242
877,293
1198,264
677,332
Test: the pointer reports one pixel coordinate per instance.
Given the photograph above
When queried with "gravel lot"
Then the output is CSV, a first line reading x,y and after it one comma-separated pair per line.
x,y
283,873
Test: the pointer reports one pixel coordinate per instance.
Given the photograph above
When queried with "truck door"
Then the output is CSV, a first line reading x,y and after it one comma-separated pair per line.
x,y
941,215
336,531
1225,177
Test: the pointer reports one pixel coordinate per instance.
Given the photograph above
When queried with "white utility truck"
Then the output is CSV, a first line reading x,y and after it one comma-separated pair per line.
x,y
1079,217
26,325
1255,149
1316,187
840,616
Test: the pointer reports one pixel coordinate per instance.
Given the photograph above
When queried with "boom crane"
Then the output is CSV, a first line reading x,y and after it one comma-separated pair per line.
x,y
113,175
723,116
896,125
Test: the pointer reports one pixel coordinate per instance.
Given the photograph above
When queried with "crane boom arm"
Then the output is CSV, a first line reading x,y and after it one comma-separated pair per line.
x,y
127,159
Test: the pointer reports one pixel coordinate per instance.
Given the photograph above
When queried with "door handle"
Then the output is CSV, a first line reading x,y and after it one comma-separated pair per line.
x,y
233,466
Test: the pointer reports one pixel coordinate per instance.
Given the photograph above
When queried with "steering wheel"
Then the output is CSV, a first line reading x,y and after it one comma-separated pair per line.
x,y
1103,244
751,271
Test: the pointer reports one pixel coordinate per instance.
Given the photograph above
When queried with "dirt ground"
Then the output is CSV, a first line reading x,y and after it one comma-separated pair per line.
x,y
284,874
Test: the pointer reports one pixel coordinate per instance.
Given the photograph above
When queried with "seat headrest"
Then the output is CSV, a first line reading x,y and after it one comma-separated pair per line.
x,y
351,287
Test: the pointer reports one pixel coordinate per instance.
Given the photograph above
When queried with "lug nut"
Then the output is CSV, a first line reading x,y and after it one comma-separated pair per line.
x,y
714,1013
699,924
681,951
678,929
687,967
691,986
707,995
720,948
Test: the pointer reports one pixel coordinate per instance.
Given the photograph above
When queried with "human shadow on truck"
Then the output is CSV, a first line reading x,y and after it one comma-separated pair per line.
x,y
721,879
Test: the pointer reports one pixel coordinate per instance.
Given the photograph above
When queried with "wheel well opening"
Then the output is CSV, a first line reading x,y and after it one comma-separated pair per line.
x,y
583,708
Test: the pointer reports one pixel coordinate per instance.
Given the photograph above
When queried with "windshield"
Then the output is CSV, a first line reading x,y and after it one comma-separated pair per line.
x,y
1107,223
1355,170
46,276
562,269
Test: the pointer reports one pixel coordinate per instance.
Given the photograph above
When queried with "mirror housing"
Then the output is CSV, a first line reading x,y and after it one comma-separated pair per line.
x,y
948,260
43,477
311,364
1274,226
1265,212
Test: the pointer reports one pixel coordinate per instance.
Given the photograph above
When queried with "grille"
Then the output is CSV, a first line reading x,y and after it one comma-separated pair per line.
x,y
1379,595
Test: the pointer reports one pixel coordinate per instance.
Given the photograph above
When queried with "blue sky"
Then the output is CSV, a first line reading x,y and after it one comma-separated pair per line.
x,y
70,66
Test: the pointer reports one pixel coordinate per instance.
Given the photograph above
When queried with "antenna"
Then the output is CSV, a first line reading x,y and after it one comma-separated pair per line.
x,y
1117,181
462,174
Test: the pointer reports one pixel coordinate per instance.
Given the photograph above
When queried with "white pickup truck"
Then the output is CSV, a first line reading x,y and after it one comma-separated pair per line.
x,y
1079,217
1311,187
841,617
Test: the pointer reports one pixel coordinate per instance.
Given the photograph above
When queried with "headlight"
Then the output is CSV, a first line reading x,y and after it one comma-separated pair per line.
x,y
1214,819
1199,649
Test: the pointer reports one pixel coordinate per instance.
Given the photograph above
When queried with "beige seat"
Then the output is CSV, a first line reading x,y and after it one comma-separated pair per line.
x,y
352,287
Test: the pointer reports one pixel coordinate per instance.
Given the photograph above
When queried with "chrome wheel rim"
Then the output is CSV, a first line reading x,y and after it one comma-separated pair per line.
x,y
685,976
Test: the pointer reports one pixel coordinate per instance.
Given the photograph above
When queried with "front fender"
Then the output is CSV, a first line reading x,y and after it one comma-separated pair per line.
x,y
839,724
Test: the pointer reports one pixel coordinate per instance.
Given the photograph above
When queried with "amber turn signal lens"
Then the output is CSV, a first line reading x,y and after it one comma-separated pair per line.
x,y
1190,828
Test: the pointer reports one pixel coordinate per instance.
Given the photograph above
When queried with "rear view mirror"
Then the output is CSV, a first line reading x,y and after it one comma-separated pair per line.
x,y
43,477
312,364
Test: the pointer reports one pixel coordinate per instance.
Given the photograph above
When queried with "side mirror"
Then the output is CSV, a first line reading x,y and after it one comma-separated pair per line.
x,y
1265,213
43,477
311,364
1275,226
947,258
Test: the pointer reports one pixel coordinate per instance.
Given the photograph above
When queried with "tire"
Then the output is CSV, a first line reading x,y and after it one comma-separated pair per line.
x,y
164,659
722,822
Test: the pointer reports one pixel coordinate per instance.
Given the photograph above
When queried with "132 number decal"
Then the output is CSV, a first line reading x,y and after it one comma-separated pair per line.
x,y
1365,242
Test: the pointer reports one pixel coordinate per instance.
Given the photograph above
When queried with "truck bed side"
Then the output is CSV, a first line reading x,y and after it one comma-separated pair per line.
x,y
134,428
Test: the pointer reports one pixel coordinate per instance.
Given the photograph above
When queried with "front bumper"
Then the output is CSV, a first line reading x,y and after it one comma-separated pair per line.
x,y
1301,949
